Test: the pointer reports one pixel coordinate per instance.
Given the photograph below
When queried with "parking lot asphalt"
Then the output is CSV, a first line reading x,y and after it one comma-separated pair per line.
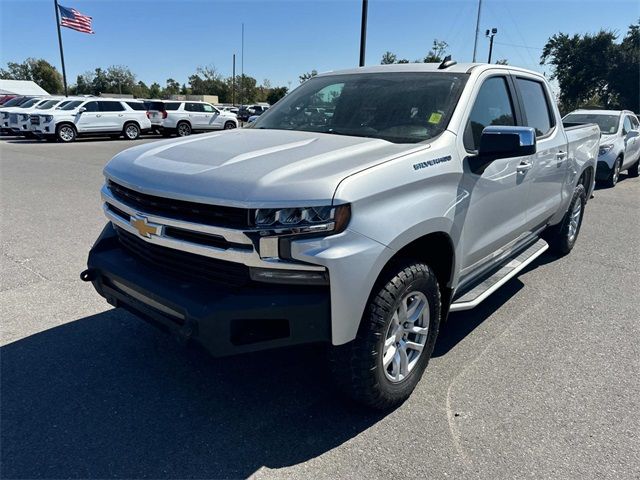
x,y
541,381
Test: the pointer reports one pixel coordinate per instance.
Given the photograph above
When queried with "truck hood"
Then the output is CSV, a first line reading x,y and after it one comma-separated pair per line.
x,y
250,167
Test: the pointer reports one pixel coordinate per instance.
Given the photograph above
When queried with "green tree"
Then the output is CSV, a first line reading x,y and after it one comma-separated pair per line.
x,y
438,52
171,88
276,94
140,90
155,91
388,58
120,80
625,73
37,70
502,61
207,81
306,76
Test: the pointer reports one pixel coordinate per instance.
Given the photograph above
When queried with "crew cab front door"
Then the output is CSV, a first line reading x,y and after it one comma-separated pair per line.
x,y
88,120
211,116
496,215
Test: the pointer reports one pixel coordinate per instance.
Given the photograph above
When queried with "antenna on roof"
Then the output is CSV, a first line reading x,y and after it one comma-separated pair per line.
x,y
446,63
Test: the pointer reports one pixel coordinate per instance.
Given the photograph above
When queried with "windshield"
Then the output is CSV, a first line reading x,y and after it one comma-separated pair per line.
x,y
608,123
401,107
47,105
30,103
72,105
12,102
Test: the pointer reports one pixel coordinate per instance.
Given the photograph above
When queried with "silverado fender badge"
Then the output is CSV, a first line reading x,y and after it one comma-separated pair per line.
x,y
143,226
430,163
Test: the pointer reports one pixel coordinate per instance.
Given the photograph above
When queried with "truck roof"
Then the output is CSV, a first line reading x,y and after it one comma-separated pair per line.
x,y
600,111
429,67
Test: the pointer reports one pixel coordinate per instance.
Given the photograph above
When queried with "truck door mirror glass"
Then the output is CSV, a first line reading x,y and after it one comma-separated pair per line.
x,y
82,109
502,142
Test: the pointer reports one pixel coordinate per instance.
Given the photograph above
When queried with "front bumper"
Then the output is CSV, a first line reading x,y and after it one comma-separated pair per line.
x,y
225,320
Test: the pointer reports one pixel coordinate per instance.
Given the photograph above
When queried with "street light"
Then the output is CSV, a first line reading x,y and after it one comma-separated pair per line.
x,y
490,34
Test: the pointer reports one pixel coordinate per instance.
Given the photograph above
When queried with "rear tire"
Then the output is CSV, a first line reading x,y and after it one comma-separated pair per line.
x,y
383,365
183,129
229,125
633,169
66,133
562,237
131,131
615,173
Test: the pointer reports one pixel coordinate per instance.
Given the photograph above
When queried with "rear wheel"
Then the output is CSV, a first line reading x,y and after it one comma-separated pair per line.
x,y
131,131
383,365
184,129
66,133
562,237
633,169
229,125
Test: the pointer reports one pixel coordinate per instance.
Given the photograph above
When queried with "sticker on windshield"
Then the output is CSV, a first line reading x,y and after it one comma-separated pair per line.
x,y
435,118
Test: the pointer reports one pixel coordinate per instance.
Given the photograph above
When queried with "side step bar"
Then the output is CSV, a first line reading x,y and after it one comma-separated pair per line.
x,y
473,297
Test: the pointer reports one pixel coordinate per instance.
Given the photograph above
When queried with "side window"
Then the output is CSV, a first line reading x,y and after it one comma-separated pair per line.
x,y
91,106
536,106
171,106
208,108
137,106
111,106
634,123
626,126
193,107
493,106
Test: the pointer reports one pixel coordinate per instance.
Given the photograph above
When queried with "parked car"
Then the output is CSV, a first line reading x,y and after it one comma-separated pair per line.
x,y
10,113
429,188
619,143
5,98
19,120
156,112
227,108
247,111
182,118
92,116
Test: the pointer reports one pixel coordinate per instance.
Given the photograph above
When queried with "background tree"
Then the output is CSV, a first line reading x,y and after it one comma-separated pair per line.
x,y
207,81
171,88
594,68
502,61
388,58
276,94
306,76
155,91
37,70
438,52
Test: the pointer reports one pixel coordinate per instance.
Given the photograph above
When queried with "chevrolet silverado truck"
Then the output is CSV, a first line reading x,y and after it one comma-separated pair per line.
x,y
357,212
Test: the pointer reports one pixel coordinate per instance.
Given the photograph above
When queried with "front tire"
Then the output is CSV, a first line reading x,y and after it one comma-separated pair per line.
x,y
615,173
229,125
383,365
66,133
562,238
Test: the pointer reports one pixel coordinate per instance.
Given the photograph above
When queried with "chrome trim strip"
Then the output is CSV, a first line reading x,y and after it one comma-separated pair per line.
x,y
147,300
246,257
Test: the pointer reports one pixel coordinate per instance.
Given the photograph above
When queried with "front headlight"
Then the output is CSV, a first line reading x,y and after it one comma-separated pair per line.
x,y
24,117
5,115
604,149
303,220
48,118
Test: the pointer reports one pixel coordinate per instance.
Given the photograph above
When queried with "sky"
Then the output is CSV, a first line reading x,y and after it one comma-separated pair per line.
x,y
160,39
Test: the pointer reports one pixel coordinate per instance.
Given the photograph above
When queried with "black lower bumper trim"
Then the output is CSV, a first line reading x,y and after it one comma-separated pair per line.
x,y
603,171
225,320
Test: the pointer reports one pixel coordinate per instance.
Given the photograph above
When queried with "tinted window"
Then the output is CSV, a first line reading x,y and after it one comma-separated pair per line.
x,y
400,107
30,103
493,106
208,108
159,106
627,124
111,106
47,105
171,106
91,106
193,107
137,105
73,104
536,106
12,102
634,123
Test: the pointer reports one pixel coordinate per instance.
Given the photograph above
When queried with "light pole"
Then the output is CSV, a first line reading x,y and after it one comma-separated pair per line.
x,y
475,40
363,31
490,34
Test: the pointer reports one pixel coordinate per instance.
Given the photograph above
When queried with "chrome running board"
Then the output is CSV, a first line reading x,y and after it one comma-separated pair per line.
x,y
473,296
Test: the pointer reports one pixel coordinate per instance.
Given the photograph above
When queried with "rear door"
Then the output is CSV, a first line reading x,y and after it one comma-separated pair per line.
x,y
112,116
549,166
196,115
496,216
214,119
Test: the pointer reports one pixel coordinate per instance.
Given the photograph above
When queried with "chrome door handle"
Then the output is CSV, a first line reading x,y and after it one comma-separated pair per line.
x,y
561,155
120,115
524,167
98,115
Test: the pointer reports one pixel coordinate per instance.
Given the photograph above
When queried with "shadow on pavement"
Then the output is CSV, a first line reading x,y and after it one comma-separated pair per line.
x,y
109,396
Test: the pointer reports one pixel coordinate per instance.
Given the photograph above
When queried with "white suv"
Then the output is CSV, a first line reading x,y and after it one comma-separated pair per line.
x,y
113,117
183,118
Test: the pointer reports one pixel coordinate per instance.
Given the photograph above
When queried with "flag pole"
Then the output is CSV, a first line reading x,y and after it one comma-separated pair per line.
x,y
64,73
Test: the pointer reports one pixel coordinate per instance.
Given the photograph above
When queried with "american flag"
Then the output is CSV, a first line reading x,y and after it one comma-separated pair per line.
x,y
71,18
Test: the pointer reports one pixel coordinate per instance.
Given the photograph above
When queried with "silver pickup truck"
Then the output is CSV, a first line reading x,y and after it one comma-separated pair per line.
x,y
357,212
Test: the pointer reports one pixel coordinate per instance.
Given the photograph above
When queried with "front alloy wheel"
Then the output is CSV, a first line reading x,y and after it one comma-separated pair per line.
x,y
131,131
66,134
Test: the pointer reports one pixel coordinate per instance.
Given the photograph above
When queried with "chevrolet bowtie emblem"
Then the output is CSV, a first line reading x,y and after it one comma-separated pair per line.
x,y
144,228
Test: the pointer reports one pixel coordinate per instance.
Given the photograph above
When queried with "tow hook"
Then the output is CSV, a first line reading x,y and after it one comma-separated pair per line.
x,y
184,334
88,275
